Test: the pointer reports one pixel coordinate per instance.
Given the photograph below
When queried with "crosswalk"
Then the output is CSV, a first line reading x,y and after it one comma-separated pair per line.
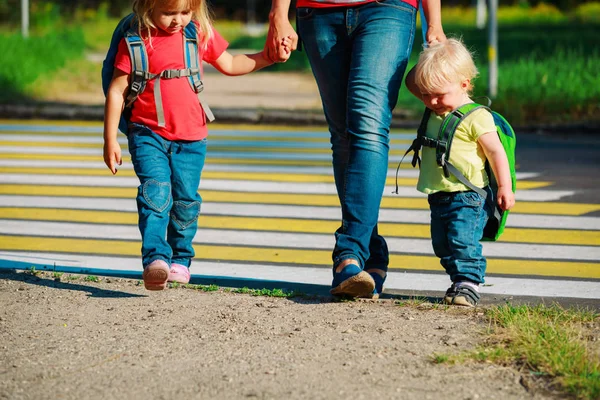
x,y
269,213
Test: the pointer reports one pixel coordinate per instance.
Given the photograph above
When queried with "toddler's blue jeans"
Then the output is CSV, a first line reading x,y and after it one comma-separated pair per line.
x,y
457,222
168,200
358,56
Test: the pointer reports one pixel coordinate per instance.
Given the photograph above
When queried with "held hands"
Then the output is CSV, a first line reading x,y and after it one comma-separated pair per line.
x,y
281,40
435,33
112,155
506,198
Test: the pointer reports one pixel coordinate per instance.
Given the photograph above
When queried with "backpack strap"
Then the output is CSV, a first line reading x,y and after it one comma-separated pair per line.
x,y
139,65
416,145
447,130
190,44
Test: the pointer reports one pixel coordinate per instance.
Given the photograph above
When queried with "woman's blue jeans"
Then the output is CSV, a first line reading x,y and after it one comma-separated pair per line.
x,y
457,222
358,56
168,201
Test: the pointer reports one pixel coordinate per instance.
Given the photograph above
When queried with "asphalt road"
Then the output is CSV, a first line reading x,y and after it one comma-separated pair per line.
x,y
270,210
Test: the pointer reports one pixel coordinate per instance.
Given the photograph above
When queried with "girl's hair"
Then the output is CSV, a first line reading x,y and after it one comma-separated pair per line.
x,y
444,63
200,13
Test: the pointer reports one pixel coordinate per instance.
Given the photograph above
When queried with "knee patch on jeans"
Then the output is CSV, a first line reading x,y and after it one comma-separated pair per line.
x,y
156,194
185,213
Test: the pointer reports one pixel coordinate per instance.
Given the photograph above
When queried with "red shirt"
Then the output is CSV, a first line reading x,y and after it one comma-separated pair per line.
x,y
331,3
184,117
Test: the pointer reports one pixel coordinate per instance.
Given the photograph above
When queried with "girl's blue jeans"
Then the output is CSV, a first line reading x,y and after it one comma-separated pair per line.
x,y
167,200
358,56
457,222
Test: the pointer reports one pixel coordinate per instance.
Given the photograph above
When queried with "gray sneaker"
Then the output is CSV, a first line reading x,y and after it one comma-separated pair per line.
x,y
461,296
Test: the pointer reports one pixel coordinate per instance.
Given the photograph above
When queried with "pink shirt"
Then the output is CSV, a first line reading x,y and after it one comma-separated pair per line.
x,y
184,117
341,3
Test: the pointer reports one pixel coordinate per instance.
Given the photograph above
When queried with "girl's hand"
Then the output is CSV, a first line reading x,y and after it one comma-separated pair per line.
x,y
506,198
112,155
286,48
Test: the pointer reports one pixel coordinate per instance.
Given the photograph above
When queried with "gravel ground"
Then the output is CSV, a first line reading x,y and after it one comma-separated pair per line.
x,y
112,339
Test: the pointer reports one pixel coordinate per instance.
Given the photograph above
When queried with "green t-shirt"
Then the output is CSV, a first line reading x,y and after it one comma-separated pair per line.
x,y
466,154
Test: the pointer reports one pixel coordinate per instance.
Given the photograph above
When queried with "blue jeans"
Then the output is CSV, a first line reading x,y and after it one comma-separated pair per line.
x,y
457,222
168,201
358,56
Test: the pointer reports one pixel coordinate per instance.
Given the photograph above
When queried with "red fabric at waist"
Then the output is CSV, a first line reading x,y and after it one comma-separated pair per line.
x,y
320,4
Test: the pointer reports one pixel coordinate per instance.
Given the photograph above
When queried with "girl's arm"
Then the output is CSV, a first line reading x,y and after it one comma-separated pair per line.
x,y
496,156
115,99
241,64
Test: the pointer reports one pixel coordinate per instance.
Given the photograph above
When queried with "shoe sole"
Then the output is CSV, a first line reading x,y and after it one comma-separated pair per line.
x,y
155,277
360,285
457,301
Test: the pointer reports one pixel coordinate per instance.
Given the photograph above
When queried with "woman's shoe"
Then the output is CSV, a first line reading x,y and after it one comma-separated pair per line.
x,y
352,281
379,280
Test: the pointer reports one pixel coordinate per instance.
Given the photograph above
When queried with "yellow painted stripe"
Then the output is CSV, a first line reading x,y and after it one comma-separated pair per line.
x,y
512,235
522,207
291,256
241,149
247,176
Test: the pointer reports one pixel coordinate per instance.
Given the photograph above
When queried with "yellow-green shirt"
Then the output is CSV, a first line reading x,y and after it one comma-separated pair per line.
x,y
465,154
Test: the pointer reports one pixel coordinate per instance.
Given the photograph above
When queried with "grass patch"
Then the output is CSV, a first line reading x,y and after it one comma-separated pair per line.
x,y
268,292
548,342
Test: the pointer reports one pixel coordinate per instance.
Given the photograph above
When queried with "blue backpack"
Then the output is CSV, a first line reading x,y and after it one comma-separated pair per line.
x,y
140,74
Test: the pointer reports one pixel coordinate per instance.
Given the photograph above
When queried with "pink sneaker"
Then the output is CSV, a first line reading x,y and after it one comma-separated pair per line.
x,y
179,273
155,275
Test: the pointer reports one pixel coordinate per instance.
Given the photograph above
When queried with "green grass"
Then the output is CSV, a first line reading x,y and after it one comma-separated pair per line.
x,y
25,60
547,342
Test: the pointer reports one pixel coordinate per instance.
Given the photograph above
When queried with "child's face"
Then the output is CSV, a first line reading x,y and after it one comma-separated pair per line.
x,y
171,20
447,98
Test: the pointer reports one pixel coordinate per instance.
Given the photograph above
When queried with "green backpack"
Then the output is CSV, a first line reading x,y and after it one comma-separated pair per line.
x,y
443,145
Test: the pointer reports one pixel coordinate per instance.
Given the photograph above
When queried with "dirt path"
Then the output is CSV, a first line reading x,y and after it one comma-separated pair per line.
x,y
114,340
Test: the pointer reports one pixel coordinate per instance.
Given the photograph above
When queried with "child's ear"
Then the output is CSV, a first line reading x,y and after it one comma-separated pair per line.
x,y
466,84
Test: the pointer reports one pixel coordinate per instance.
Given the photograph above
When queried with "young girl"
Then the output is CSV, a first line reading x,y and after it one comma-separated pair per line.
x,y
443,76
168,157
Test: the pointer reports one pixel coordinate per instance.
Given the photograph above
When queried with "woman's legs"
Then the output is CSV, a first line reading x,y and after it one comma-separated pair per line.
x,y
358,56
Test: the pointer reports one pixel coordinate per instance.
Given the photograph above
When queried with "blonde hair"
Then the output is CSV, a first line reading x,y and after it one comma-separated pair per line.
x,y
444,63
200,13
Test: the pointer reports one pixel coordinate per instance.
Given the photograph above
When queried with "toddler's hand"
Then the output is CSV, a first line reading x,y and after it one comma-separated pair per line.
x,y
112,155
506,198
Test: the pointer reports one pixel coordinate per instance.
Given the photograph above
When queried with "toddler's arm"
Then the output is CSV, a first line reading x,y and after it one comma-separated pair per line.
x,y
115,99
499,162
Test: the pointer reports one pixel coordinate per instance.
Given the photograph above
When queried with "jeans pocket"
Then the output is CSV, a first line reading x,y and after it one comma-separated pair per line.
x,y
304,12
399,4
472,198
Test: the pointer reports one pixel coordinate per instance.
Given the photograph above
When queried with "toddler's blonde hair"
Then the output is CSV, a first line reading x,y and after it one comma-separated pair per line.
x,y
444,63
143,11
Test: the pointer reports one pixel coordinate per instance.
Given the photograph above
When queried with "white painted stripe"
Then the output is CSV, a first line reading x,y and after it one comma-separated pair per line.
x,y
248,186
291,211
296,170
235,155
407,282
292,240
400,135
